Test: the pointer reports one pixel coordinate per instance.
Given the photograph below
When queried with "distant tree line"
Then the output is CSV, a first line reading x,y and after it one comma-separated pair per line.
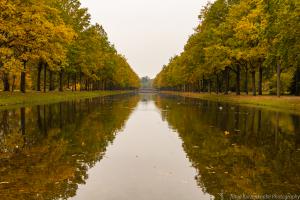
x,y
146,82
242,46
52,45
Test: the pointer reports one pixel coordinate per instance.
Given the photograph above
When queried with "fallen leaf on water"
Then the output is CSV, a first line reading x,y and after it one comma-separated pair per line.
x,y
209,167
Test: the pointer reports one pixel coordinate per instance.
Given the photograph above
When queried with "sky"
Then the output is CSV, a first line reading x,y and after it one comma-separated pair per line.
x,y
147,32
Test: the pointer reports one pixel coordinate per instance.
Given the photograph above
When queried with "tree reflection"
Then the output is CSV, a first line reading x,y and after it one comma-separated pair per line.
x,y
45,151
259,154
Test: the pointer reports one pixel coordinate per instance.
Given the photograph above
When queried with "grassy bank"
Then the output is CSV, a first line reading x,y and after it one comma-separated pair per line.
x,y
284,103
17,99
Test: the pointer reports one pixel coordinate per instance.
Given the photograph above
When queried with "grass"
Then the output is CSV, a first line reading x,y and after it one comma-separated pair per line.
x,y
285,103
17,99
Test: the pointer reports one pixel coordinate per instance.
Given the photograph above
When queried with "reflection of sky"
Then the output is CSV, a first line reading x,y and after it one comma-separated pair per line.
x,y
147,32
146,162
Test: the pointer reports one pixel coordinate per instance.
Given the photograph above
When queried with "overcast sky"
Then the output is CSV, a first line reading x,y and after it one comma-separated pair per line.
x,y
147,32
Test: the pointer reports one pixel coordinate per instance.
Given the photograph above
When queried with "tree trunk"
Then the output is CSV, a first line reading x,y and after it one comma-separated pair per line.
x,y
217,83
278,80
6,86
226,80
68,81
51,83
86,84
45,77
75,82
209,85
260,80
80,80
297,82
246,82
23,78
38,80
253,83
99,85
238,80
203,84
13,83
61,76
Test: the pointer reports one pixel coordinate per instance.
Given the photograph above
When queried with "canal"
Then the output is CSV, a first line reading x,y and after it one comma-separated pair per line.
x,y
147,147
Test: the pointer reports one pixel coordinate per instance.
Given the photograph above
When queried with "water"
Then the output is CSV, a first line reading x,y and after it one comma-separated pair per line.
x,y
147,147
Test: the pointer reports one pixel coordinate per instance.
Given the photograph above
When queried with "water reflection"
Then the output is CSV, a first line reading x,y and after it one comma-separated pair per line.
x,y
235,149
53,151
146,162
45,151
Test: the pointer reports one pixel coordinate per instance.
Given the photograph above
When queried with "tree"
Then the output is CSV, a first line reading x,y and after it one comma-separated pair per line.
x,y
56,37
236,36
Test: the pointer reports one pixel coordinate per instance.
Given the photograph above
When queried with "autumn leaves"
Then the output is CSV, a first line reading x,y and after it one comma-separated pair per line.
x,y
56,39
239,42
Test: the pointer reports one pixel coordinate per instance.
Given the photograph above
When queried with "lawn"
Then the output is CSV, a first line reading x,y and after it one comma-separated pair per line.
x,y
17,99
284,103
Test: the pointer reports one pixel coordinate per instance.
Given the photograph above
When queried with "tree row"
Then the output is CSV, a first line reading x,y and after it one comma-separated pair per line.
x,y
52,45
240,46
